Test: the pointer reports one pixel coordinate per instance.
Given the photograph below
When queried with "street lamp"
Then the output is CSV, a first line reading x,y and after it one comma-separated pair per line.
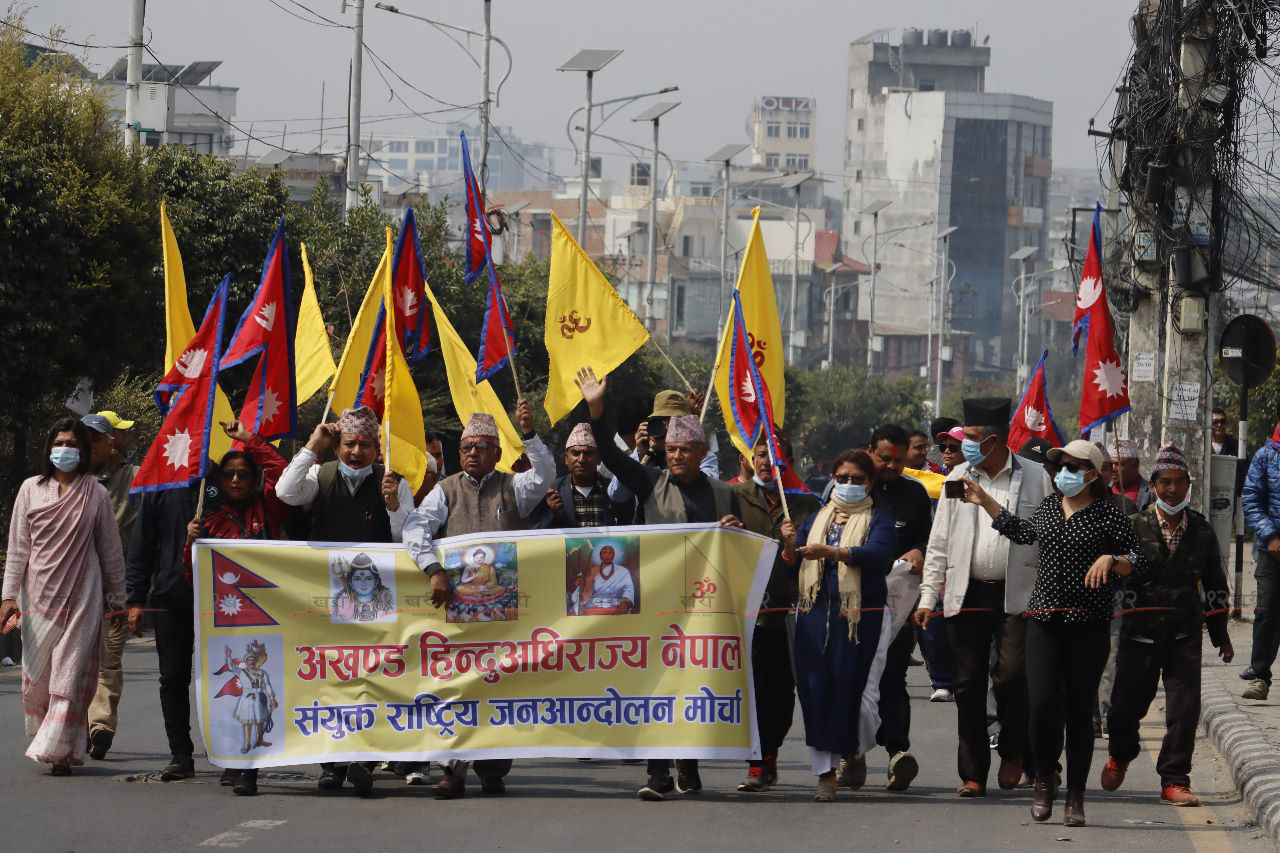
x,y
943,235
1022,256
724,155
873,210
589,61
795,182
654,114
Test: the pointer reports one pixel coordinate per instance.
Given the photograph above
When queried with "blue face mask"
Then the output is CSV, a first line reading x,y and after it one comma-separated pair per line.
x,y
849,493
972,451
65,459
355,475
1069,483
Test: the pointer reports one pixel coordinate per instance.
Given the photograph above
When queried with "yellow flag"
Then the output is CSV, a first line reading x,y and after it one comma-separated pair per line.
x,y
588,324
346,381
313,360
179,329
468,397
405,444
931,480
760,313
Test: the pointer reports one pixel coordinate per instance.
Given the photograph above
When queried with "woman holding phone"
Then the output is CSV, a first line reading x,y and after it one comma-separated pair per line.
x,y
1085,543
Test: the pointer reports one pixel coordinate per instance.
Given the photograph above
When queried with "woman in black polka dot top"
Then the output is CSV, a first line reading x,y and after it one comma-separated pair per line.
x,y
1085,543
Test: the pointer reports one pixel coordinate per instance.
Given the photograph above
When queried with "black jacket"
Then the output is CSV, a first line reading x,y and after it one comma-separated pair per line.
x,y
619,513
155,565
908,501
1166,601
758,517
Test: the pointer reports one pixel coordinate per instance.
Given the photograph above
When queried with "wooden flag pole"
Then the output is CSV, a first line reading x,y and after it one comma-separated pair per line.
x,y
511,360
777,479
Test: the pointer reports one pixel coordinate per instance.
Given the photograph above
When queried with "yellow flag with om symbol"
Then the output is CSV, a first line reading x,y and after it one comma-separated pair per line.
x,y
764,330
588,323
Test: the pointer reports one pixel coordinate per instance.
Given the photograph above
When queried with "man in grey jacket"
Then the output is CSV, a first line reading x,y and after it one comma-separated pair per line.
x,y
987,581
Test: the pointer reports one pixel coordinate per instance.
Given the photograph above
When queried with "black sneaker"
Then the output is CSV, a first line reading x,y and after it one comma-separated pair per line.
x,y
181,767
771,769
247,784
360,778
99,742
331,778
229,777
659,788
687,780
1249,673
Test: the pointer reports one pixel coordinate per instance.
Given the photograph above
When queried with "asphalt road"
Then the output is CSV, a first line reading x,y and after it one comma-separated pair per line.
x,y
567,805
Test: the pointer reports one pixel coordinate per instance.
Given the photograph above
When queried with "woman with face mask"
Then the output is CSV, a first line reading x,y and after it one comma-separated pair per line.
x,y
249,509
64,561
1085,543
841,623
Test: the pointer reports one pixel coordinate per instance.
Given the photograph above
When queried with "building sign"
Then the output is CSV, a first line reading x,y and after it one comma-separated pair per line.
x,y
789,104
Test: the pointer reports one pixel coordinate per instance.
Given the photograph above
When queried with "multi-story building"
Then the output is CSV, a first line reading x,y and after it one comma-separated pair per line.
x,y
434,161
931,149
784,132
199,114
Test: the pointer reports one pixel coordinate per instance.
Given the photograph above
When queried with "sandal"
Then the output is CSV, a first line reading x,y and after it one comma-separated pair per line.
x,y
826,788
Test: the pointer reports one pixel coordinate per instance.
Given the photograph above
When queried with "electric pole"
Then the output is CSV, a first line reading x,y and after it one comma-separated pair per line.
x,y
353,130
484,101
133,74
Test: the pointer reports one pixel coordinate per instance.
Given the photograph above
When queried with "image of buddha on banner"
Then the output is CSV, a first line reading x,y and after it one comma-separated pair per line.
x,y
484,580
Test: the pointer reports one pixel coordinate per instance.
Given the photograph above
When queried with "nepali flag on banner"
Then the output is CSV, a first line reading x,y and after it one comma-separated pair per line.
x,y
477,241
408,280
232,606
1034,416
267,329
185,395
752,404
373,379
1104,393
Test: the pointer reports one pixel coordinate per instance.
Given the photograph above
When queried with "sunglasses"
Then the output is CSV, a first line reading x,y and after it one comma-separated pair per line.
x,y
476,447
1077,467
238,474
846,479
948,447
1219,422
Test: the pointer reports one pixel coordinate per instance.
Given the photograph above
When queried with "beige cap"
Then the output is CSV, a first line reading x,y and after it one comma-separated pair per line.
x,y
1085,451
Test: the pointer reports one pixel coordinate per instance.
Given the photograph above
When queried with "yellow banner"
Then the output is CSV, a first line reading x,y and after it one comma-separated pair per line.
x,y
625,642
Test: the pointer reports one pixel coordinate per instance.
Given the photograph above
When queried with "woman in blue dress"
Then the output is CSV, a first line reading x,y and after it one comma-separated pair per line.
x,y
840,615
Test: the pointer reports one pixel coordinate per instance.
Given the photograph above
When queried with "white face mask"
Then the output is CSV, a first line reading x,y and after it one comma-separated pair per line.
x,y
1170,509
355,475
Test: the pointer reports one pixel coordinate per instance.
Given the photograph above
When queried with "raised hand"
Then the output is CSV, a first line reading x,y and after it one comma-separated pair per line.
x,y
235,431
524,416
592,391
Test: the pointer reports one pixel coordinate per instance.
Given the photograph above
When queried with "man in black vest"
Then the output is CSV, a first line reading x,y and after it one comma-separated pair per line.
x,y
346,504
579,498
478,499
680,493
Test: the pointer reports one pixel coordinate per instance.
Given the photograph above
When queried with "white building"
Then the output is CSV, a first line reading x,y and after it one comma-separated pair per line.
x,y
199,112
434,161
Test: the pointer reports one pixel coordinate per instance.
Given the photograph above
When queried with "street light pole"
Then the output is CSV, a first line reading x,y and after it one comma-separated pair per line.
x,y
353,134
484,100
942,324
874,210
724,156
133,75
654,114
589,61
1022,256
938,288
792,352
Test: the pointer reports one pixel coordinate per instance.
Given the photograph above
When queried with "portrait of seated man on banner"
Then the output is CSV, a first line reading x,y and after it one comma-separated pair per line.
x,y
484,581
361,591
602,576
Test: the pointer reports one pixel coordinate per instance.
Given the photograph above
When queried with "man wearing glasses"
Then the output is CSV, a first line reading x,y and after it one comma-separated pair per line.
x,y
1224,444
478,499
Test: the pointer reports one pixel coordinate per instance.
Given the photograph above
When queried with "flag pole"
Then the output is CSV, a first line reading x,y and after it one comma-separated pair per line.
x,y
777,479
511,359
715,371
663,353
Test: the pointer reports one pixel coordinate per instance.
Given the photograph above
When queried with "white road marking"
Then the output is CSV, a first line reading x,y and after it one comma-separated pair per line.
x,y
236,838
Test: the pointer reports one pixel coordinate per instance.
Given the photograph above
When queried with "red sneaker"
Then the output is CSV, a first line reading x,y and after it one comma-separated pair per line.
x,y
1113,773
1178,795
755,781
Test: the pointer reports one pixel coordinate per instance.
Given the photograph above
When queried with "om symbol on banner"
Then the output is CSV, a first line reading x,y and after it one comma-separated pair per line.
x,y
571,324
758,347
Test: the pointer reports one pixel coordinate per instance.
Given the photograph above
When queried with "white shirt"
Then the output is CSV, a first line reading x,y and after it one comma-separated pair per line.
x,y
530,487
985,564
299,484
617,585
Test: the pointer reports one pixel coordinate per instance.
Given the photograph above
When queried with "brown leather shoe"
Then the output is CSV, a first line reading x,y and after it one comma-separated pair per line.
x,y
1010,773
451,787
1073,809
1113,773
1178,795
1042,800
971,789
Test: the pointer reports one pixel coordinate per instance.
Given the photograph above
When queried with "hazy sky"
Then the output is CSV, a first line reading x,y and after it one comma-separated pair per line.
x,y
721,54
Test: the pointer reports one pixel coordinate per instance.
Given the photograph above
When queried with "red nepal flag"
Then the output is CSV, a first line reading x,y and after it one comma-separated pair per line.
x,y
1034,417
408,281
373,379
232,606
744,391
180,451
497,334
267,328
1104,394
477,241
232,687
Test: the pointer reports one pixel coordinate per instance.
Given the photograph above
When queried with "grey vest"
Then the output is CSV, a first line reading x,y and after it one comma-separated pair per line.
x,y
475,508
666,504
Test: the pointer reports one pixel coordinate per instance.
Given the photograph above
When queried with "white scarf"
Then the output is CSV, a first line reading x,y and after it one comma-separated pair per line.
x,y
849,578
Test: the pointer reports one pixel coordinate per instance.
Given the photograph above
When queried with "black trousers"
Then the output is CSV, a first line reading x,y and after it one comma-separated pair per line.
x,y
775,683
1139,667
895,703
981,625
175,645
1266,616
1064,665
662,766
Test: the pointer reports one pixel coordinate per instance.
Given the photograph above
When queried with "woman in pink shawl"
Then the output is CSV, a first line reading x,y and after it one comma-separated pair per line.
x,y
64,559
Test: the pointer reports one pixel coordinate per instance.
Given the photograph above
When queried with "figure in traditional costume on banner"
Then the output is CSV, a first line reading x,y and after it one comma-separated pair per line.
x,y
359,592
602,576
484,583
257,700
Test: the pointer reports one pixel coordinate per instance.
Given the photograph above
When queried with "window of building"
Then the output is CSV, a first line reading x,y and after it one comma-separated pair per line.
x,y
857,226
857,176
803,129
802,161
596,169
862,124
424,165
771,161
927,85
639,174
852,95
791,161
793,129
686,246
442,164
424,146
772,129
455,164
398,146
702,190
679,312
397,164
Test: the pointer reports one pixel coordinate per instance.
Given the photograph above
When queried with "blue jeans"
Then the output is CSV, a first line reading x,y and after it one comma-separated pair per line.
x,y
1266,615
936,648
